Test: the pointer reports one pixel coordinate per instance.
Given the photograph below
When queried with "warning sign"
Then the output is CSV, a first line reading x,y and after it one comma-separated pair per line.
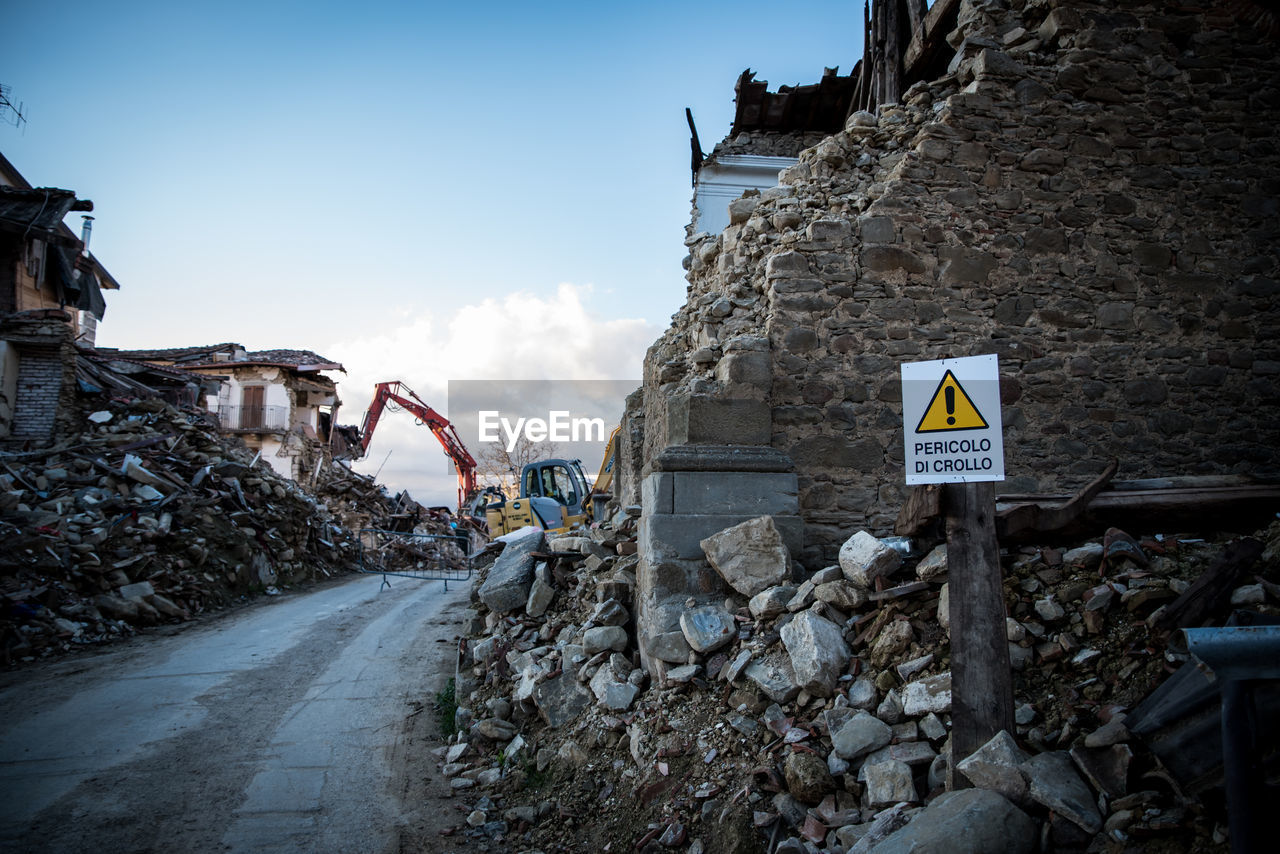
x,y
947,397
951,409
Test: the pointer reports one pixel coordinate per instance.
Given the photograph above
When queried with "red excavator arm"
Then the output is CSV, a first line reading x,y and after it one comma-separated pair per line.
x,y
398,393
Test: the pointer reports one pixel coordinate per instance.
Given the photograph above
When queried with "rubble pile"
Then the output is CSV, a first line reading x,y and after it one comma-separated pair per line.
x,y
150,515
814,712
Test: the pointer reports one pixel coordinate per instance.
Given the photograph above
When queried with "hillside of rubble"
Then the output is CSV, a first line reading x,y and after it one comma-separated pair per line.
x,y
814,713
150,515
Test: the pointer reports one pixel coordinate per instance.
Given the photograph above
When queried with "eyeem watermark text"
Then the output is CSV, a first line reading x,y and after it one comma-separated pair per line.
x,y
556,427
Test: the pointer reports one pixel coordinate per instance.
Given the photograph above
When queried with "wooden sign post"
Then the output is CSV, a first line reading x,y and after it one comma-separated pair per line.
x,y
981,680
952,430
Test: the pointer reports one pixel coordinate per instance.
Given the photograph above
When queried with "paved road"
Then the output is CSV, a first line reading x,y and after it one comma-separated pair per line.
x,y
276,728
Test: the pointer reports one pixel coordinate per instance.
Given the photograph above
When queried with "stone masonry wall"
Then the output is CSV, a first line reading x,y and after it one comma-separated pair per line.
x,y
1090,193
43,406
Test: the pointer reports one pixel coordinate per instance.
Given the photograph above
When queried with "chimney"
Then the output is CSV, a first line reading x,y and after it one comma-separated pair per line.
x,y
86,231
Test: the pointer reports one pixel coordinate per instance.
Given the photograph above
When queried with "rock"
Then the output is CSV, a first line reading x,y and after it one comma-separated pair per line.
x,y
769,603
540,591
818,652
933,565
773,675
707,627
907,669
1087,556
932,728
684,673
733,669
968,821
610,612
612,693
894,638
804,597
930,694
572,754
1112,732
944,608
995,766
863,694
889,783
860,735
807,777
890,708
142,588
843,595
601,638
1056,785
507,586
560,699
496,729
1107,768
750,557
863,559
116,608
670,647
1248,594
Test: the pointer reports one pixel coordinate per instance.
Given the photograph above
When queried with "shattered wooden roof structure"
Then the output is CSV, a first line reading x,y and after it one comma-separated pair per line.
x,y
903,43
39,211
821,106
99,372
304,361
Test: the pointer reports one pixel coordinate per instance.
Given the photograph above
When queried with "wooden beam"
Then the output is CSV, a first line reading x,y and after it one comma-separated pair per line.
x,y
1033,517
928,38
981,679
922,508
893,50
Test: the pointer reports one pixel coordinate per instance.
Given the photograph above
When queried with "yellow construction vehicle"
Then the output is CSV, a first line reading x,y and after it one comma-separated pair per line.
x,y
554,496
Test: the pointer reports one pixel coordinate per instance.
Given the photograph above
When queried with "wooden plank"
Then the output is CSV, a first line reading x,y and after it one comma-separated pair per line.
x,y
981,679
921,47
898,592
1033,517
922,508
893,50
1159,499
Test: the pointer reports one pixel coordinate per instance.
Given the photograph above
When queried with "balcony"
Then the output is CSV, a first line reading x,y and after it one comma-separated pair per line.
x,y
254,419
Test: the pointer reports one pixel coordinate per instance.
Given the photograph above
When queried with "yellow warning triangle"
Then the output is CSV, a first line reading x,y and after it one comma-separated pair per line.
x,y
950,409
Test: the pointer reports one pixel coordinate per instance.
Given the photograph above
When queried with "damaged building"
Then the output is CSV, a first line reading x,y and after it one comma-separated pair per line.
x,y
279,402
1089,194
50,301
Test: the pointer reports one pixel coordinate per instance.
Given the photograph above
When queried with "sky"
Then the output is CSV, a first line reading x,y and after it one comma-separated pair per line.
x,y
420,191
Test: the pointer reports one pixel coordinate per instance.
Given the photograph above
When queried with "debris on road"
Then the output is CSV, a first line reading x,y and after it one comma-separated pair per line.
x,y
148,514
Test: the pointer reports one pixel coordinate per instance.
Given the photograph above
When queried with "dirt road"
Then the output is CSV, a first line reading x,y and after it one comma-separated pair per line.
x,y
286,726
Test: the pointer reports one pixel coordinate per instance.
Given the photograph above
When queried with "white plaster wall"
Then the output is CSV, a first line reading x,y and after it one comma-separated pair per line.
x,y
727,178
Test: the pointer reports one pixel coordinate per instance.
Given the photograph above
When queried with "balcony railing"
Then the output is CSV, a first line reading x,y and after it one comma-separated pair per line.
x,y
254,419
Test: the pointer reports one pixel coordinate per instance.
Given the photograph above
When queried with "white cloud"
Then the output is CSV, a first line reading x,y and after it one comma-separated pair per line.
x,y
517,336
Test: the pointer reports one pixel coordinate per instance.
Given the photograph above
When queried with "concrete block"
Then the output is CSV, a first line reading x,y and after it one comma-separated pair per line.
x,y
656,493
749,493
699,419
680,536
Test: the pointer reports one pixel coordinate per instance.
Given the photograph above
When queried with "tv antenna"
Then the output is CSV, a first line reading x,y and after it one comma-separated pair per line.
x,y
11,113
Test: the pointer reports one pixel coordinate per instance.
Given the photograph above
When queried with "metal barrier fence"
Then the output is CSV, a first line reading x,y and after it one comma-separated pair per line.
x,y
426,557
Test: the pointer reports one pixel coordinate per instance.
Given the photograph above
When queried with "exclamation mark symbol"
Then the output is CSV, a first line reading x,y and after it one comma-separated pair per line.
x,y
950,392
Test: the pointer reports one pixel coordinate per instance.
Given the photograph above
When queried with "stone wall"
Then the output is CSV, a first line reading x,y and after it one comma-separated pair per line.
x,y
1090,193
38,373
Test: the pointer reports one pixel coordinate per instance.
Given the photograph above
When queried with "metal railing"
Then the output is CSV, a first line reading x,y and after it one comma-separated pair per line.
x,y
249,418
426,557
